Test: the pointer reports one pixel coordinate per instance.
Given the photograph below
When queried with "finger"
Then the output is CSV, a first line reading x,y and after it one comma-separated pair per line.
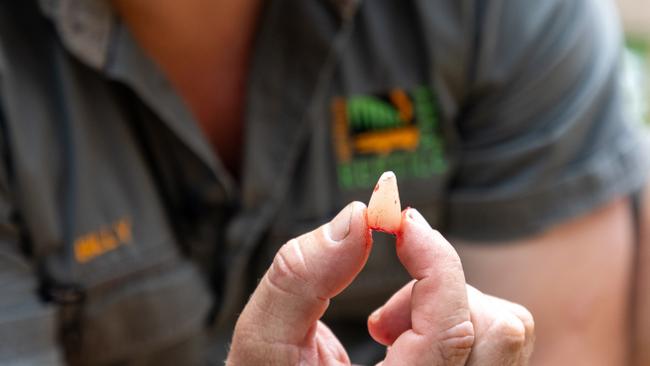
x,y
304,275
439,296
503,330
330,348
441,330
527,321
393,318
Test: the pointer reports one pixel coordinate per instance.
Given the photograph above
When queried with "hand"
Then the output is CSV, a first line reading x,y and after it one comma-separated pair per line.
x,y
435,320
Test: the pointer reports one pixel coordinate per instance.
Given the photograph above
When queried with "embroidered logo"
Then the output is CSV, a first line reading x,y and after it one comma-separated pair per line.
x,y
398,131
106,239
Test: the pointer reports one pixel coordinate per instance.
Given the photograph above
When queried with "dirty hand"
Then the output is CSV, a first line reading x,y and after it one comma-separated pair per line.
x,y
434,320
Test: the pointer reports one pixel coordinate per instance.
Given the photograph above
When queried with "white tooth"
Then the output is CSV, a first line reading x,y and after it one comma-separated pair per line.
x,y
384,210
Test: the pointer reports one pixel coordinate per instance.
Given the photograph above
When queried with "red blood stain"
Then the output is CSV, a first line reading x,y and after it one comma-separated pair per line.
x,y
397,233
398,242
376,187
384,230
368,238
368,232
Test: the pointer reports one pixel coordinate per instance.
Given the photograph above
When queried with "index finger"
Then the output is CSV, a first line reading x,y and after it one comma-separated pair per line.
x,y
441,331
439,298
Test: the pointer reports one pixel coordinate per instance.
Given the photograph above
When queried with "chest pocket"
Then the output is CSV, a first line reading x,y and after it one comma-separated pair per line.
x,y
96,219
106,212
162,297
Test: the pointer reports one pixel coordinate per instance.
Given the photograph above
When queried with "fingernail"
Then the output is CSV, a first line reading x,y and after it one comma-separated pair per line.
x,y
415,216
340,225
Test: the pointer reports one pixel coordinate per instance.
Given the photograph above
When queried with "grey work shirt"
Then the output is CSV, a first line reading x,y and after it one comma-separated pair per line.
x,y
123,240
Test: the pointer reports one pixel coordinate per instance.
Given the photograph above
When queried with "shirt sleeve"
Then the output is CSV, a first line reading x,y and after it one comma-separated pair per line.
x,y
543,133
27,324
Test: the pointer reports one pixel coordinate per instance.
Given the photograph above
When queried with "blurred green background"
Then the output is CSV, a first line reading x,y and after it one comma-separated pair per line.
x,y
635,15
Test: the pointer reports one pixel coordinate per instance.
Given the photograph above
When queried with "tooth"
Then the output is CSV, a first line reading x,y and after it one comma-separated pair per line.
x,y
384,210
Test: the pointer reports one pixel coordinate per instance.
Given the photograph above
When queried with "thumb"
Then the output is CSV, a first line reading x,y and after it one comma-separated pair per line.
x,y
306,272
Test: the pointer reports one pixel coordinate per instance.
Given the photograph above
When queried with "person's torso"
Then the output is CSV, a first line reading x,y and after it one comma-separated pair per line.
x,y
121,196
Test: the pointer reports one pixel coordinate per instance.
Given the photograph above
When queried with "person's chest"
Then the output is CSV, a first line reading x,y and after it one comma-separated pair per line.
x,y
219,111
326,111
203,50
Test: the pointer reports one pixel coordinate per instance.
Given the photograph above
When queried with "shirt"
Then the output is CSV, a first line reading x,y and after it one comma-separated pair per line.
x,y
124,240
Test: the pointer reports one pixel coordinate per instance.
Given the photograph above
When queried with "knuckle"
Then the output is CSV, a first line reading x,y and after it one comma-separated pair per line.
x,y
457,342
247,348
527,319
508,332
289,271
525,316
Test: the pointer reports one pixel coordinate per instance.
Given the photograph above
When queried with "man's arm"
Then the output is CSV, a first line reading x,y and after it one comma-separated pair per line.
x,y
574,278
548,158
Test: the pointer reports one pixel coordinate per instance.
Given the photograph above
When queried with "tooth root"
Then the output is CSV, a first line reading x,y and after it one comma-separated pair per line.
x,y
384,209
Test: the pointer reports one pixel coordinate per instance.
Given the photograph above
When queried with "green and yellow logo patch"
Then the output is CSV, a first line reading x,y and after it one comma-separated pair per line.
x,y
398,131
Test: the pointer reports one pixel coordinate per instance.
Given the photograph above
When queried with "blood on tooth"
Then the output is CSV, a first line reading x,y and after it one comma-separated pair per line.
x,y
376,228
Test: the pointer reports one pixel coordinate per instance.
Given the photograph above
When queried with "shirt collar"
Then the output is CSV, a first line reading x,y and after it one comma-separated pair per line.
x,y
92,32
84,26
